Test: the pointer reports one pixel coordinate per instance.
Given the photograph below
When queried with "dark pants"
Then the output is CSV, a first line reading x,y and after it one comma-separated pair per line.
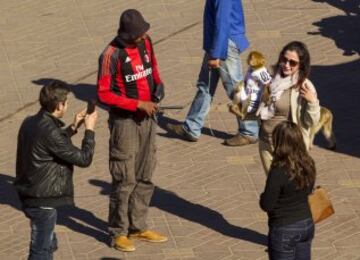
x,y
43,239
291,242
132,162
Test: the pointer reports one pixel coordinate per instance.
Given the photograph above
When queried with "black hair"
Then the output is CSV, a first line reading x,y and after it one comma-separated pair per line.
x,y
52,94
304,59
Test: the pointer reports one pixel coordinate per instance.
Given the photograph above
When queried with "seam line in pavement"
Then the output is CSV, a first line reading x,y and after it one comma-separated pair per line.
x,y
94,71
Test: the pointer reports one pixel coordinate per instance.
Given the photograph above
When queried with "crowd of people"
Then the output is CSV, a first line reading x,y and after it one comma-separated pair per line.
x,y
129,84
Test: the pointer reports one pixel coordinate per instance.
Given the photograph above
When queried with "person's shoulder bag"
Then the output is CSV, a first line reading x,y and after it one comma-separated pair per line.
x,y
320,204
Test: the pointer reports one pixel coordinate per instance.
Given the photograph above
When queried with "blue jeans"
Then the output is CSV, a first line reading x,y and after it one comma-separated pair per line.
x,y
291,242
230,73
43,239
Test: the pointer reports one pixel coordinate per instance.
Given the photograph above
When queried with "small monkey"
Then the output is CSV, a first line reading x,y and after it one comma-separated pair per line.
x,y
247,95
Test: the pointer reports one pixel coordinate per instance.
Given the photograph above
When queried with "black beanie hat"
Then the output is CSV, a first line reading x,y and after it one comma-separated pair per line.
x,y
132,25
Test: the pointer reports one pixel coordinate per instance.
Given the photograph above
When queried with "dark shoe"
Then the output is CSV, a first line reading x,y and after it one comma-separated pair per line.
x,y
240,140
179,131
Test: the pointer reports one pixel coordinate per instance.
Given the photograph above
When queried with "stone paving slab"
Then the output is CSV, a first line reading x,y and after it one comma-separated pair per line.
x,y
207,194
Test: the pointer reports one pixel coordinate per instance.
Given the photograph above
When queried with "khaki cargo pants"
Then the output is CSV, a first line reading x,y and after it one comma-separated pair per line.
x,y
132,160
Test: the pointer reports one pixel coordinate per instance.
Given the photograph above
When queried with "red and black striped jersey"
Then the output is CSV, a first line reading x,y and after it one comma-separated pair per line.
x,y
127,75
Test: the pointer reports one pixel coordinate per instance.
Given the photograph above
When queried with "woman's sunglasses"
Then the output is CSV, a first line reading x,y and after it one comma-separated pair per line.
x,y
292,63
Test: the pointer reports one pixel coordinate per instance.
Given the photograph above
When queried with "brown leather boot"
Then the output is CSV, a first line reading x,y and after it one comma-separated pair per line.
x,y
240,140
179,131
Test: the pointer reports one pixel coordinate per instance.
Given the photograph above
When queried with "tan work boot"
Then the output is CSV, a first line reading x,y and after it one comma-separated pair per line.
x,y
180,132
240,140
149,236
123,243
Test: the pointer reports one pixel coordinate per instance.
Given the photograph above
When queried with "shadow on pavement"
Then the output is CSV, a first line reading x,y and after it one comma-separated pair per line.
x,y
83,221
163,120
82,91
338,85
170,202
341,94
350,7
67,216
110,258
342,28
8,194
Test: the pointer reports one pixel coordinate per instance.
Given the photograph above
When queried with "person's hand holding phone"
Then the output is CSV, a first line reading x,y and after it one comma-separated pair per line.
x,y
80,116
91,107
91,115
79,119
90,120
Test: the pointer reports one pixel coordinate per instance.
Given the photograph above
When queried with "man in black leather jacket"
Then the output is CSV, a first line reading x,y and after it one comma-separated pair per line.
x,y
44,164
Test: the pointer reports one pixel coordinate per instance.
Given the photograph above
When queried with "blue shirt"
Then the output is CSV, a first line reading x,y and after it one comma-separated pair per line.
x,y
223,21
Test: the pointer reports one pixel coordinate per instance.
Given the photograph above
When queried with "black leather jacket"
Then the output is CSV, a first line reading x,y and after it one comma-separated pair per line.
x,y
45,159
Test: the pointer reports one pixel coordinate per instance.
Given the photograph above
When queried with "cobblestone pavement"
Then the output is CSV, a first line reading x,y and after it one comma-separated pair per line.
x,y
207,194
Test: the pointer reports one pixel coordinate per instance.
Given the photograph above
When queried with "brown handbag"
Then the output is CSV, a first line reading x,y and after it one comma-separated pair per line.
x,y
320,204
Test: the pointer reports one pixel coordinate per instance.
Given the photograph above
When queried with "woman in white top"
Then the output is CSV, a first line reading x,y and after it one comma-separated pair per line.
x,y
292,98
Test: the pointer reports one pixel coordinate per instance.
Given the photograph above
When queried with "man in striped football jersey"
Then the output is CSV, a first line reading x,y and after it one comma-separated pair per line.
x,y
129,84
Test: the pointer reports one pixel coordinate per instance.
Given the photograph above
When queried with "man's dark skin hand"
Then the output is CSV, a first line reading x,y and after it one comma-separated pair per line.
x,y
150,108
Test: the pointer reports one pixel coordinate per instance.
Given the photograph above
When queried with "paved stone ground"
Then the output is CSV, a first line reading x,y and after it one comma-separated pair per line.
x,y
206,199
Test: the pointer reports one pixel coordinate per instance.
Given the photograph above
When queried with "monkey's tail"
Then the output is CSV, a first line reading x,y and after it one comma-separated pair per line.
x,y
327,130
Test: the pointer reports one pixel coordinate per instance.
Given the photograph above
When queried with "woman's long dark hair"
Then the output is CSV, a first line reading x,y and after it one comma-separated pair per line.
x,y
290,154
304,59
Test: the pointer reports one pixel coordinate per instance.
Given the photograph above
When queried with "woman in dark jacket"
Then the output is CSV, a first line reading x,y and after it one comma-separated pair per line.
x,y
285,198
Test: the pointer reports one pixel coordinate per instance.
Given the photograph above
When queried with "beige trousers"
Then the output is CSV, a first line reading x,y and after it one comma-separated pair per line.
x,y
265,150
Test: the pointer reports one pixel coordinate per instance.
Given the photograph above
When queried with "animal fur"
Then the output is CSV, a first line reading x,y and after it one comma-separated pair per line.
x,y
265,96
326,125
255,60
236,106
